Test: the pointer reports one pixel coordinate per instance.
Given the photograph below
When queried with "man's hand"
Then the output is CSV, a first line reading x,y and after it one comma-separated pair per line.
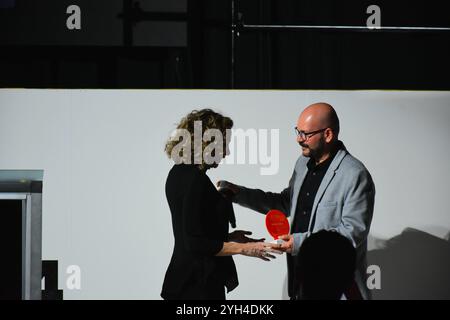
x,y
240,236
288,243
227,189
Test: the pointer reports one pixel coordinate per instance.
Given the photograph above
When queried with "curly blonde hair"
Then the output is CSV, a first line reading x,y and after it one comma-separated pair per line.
x,y
209,120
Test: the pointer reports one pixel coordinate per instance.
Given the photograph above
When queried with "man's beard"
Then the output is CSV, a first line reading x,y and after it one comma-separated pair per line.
x,y
317,152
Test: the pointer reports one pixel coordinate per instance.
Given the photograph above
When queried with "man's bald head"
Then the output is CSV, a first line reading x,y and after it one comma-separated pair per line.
x,y
320,115
317,130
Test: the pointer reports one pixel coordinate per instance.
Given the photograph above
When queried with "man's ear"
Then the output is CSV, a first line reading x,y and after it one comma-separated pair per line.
x,y
329,135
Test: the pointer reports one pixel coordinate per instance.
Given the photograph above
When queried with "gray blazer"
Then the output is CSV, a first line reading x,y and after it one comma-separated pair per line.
x,y
344,203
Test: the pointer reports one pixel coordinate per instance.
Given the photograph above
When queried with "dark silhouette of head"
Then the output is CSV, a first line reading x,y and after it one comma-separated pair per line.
x,y
326,267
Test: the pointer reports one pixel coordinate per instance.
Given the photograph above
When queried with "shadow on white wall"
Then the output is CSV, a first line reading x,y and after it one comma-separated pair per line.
x,y
414,265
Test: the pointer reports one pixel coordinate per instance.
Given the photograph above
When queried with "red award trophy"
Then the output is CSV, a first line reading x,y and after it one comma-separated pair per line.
x,y
277,224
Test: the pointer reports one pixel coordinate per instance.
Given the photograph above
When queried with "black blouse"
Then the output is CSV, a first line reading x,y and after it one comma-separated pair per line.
x,y
200,217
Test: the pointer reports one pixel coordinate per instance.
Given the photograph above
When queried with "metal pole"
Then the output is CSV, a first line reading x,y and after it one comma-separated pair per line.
x,y
233,24
343,28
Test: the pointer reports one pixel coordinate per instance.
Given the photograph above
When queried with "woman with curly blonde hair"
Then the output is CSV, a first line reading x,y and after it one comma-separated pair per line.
x,y
201,266
197,130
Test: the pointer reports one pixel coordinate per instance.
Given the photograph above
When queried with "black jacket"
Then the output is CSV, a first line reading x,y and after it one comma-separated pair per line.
x,y
200,217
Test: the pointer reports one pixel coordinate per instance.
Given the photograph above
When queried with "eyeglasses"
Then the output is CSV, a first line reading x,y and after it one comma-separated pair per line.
x,y
306,135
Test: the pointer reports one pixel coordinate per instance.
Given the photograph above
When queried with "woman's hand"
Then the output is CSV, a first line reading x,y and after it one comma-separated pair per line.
x,y
259,250
240,236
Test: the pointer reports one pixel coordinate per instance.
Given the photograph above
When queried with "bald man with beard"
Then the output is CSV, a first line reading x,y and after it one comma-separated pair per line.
x,y
329,190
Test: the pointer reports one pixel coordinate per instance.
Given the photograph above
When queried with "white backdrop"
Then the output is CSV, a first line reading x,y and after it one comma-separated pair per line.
x,y
104,206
